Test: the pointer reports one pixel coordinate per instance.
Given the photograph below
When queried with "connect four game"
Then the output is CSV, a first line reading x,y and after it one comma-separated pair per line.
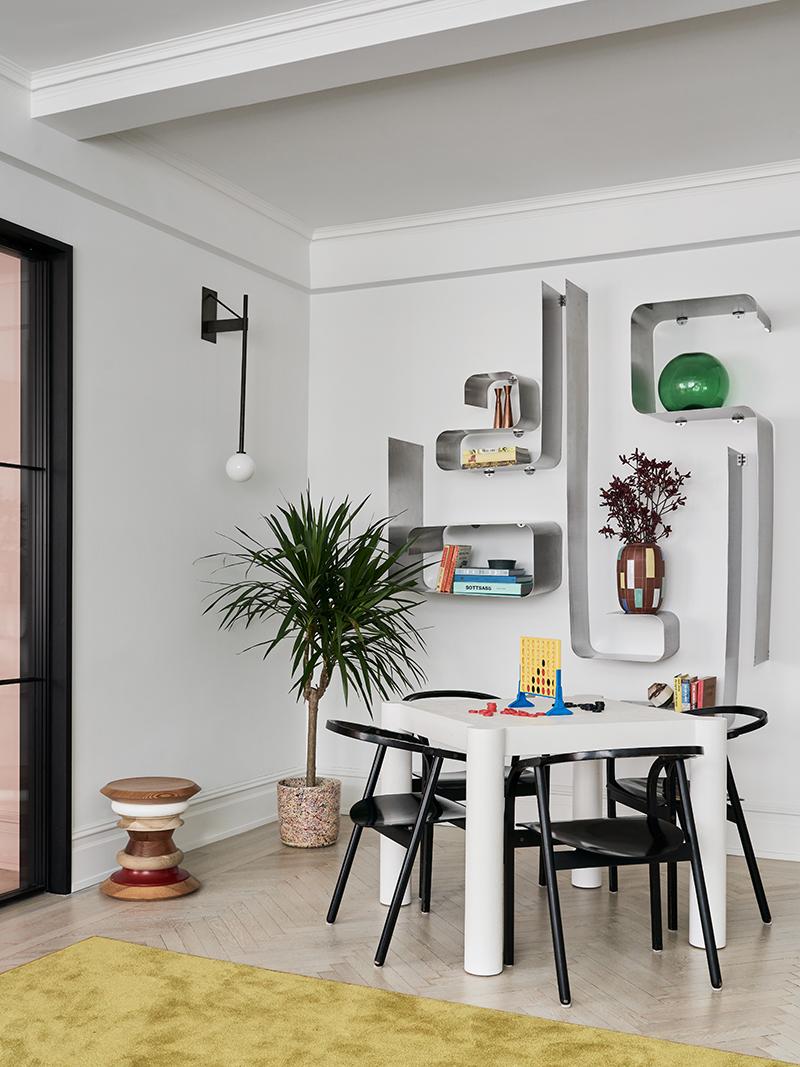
x,y
539,659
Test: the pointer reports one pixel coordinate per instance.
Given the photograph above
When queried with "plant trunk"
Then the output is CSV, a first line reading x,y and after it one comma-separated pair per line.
x,y
311,741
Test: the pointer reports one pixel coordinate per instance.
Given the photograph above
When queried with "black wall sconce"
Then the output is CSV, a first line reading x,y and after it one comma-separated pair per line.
x,y
240,466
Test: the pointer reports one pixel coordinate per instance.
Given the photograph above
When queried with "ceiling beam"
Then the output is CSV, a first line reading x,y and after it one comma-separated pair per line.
x,y
332,44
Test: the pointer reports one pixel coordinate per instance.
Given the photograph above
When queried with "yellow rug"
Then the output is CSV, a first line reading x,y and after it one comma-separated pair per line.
x,y
101,1003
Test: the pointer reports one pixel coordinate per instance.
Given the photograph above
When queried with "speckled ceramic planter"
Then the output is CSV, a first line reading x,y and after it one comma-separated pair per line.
x,y
308,816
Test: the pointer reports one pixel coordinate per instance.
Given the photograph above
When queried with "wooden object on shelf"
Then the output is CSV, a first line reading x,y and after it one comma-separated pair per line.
x,y
150,810
498,408
508,417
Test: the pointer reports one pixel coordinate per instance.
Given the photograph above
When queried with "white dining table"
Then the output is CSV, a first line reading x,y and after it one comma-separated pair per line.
x,y
489,744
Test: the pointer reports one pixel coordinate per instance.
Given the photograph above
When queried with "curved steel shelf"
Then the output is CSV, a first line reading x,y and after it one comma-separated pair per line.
x,y
644,321
406,462
577,332
545,551
535,406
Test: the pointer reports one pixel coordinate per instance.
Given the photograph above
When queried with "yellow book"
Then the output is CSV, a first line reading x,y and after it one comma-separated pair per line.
x,y
492,457
678,686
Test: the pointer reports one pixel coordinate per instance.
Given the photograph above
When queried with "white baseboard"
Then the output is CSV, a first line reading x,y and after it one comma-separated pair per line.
x,y
775,834
234,809
212,816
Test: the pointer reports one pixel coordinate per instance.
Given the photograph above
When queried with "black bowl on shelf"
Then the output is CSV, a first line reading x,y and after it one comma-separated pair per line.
x,y
503,564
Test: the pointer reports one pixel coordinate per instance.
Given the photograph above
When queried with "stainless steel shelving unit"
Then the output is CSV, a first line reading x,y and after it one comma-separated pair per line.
x,y
644,321
537,406
545,551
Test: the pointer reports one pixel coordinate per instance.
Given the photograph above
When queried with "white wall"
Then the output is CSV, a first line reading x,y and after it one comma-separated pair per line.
x,y
401,350
157,690
399,317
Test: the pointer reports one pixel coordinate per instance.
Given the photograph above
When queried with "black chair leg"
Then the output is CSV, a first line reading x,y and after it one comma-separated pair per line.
x,y
672,896
613,878
656,935
509,874
542,875
426,869
344,874
699,878
747,848
408,863
554,905
672,868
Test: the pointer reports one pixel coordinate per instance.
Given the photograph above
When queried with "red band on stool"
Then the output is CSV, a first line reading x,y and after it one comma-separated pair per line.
x,y
167,876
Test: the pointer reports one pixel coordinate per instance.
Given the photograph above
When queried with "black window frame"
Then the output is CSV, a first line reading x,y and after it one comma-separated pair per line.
x,y
46,470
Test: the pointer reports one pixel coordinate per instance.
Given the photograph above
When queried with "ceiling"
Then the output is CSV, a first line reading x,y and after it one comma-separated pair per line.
x,y
614,92
699,95
44,33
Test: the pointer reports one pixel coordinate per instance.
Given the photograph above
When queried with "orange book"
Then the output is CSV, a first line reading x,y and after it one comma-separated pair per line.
x,y
458,555
442,569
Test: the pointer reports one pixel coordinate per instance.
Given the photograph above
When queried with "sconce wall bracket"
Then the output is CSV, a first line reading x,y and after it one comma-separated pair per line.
x,y
210,325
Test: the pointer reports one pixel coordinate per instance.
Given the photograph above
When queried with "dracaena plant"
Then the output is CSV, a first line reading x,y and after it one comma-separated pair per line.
x,y
340,598
639,502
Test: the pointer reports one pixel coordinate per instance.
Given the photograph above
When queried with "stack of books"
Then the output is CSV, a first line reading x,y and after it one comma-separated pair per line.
x,y
453,557
505,456
491,581
692,692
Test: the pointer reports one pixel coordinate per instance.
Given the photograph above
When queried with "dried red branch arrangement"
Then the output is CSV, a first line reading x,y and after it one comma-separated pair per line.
x,y
639,503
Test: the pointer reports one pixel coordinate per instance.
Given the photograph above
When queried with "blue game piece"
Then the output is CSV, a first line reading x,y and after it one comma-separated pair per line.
x,y
559,707
521,700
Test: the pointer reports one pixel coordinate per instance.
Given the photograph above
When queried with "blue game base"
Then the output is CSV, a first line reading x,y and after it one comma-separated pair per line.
x,y
559,707
520,702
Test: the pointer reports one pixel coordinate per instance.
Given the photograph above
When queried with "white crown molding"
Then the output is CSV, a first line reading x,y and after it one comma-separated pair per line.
x,y
331,13
143,143
304,50
15,74
556,202
248,34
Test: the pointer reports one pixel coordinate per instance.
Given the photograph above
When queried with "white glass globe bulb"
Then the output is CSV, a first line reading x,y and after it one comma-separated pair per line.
x,y
240,467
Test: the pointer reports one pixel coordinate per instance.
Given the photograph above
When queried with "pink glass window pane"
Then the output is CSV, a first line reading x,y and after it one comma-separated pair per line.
x,y
10,349
10,557
9,788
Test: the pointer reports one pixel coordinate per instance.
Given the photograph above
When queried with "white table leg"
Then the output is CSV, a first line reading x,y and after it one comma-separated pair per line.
x,y
709,791
587,803
483,871
395,778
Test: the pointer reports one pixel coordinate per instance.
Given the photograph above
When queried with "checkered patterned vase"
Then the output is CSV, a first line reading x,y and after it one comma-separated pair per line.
x,y
640,579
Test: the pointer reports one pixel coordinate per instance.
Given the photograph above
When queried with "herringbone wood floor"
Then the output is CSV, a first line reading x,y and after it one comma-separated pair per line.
x,y
264,904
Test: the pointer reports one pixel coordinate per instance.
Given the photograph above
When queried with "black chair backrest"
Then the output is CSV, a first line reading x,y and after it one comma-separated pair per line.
x,y
376,735
665,757
757,716
667,754
433,693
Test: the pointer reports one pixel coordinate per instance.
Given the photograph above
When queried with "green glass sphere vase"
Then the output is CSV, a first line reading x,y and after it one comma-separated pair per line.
x,y
693,380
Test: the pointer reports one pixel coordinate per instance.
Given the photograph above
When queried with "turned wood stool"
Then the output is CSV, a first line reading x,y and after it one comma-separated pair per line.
x,y
150,809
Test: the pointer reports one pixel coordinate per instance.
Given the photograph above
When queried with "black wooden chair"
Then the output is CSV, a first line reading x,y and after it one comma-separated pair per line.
x,y
453,784
613,842
406,818
632,793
